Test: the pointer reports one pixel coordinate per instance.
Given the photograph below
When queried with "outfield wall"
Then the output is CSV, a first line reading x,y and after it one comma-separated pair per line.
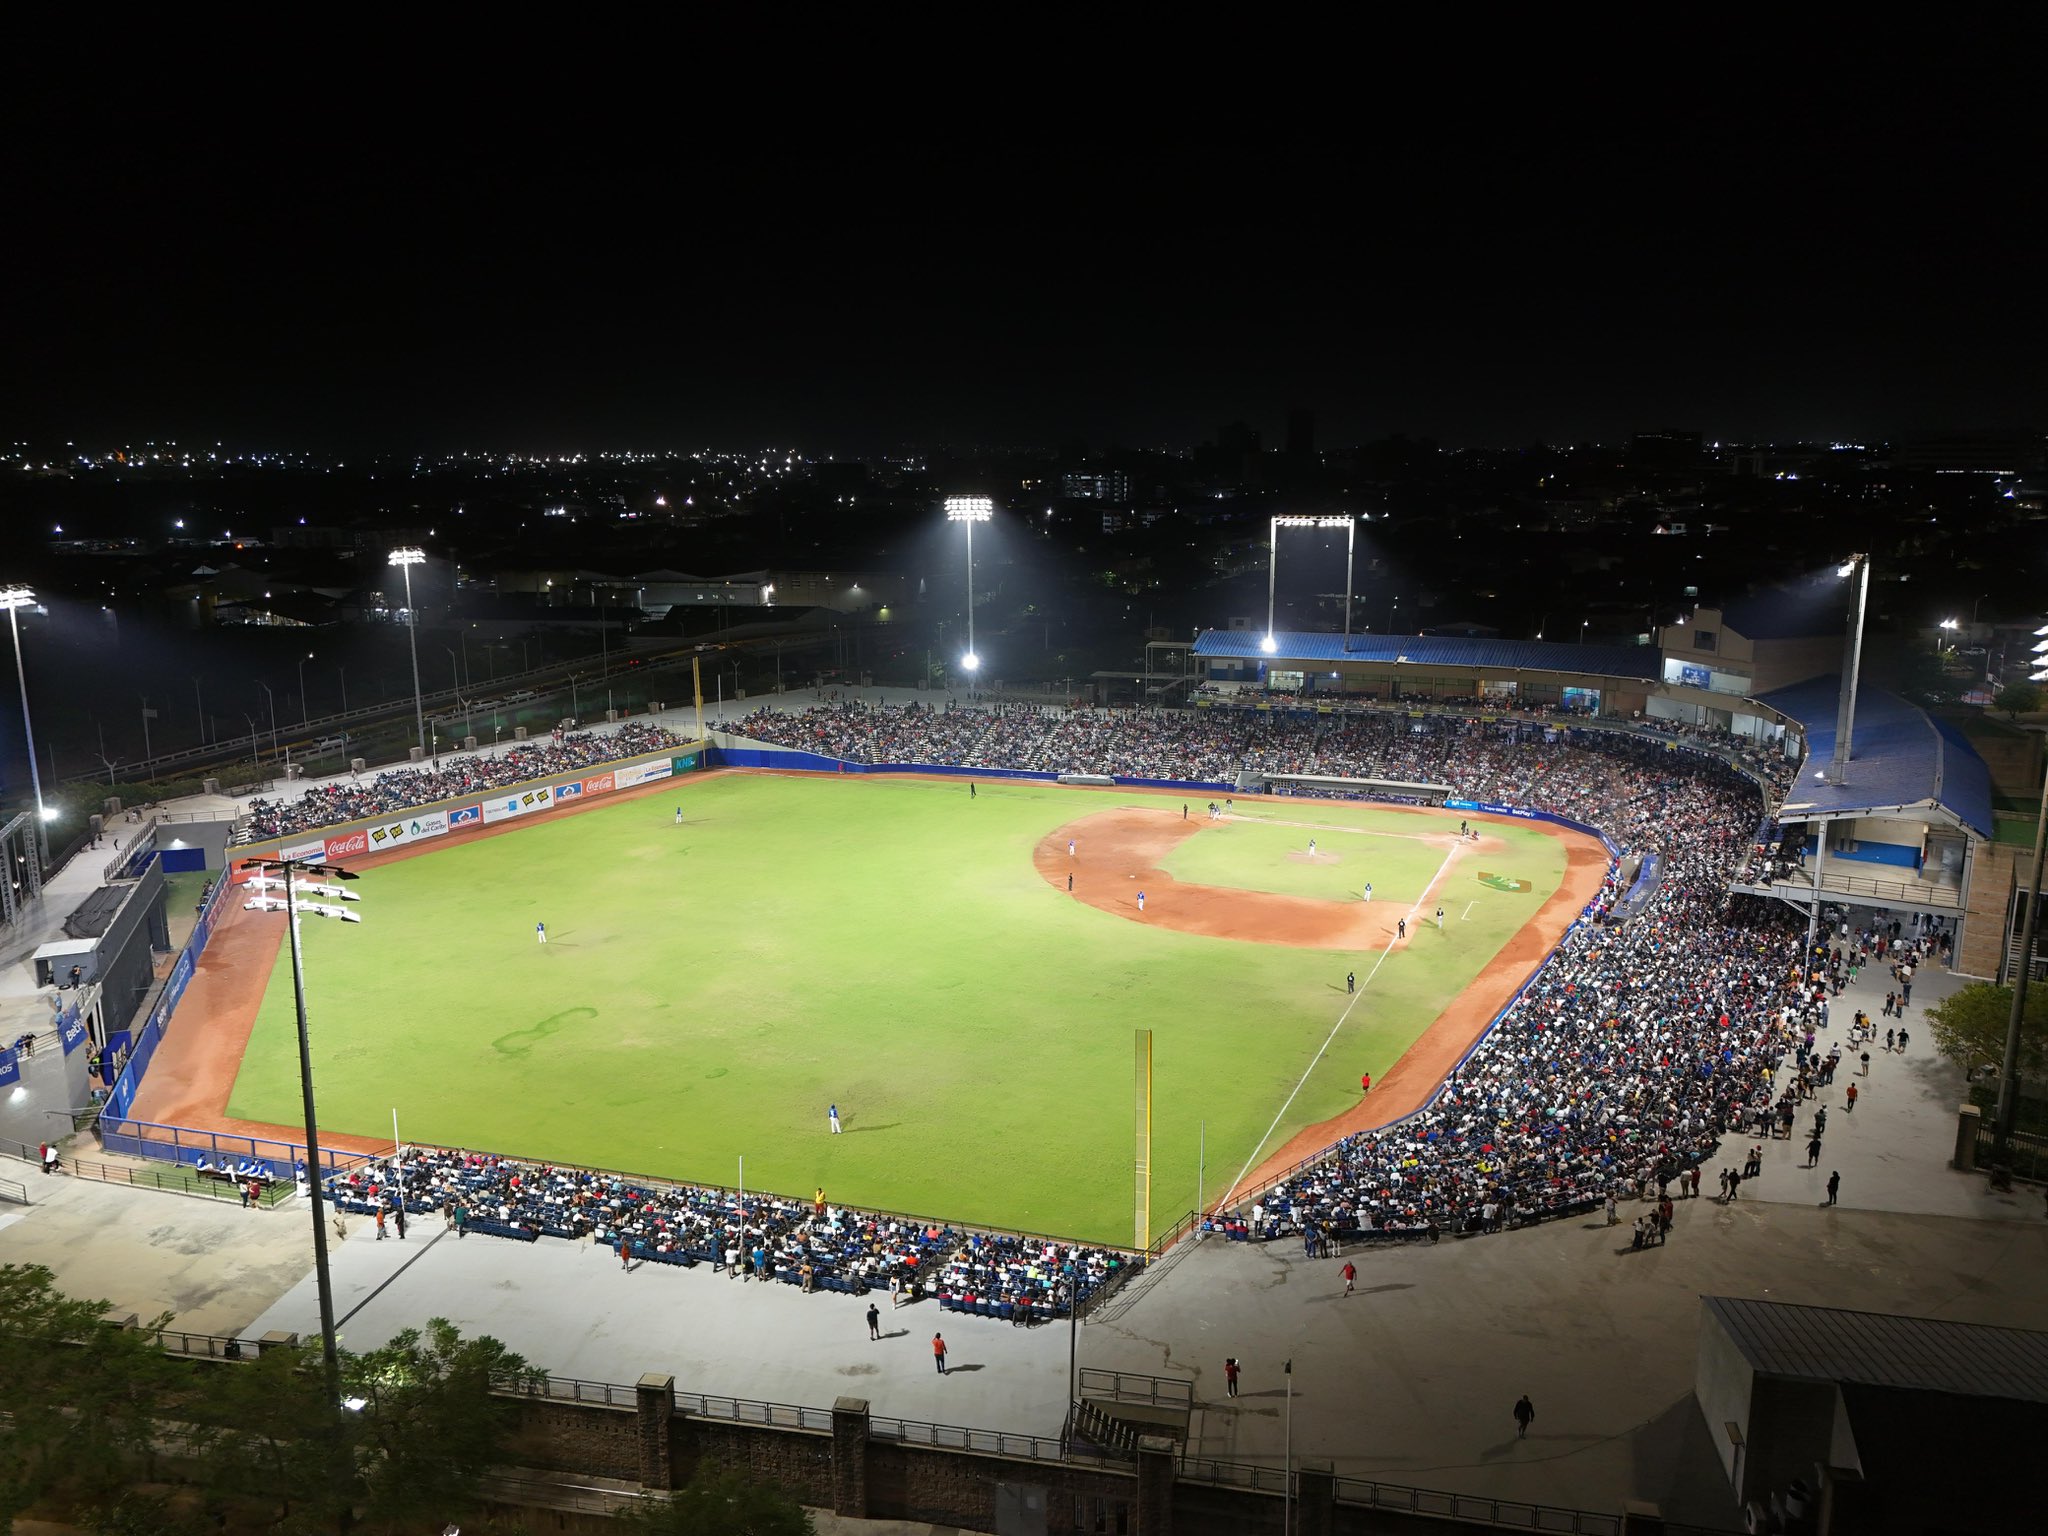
x,y
375,834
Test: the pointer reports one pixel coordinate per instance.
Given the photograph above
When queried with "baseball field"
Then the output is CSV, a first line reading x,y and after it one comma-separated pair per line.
x,y
913,955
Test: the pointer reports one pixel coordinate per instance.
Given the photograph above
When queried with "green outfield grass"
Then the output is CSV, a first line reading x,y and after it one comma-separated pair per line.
x,y
707,990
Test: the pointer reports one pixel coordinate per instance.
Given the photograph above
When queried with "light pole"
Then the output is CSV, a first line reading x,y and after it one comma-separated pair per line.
x,y
970,510
273,715
1951,626
305,714
1856,568
2009,1062
13,599
287,869
342,672
405,559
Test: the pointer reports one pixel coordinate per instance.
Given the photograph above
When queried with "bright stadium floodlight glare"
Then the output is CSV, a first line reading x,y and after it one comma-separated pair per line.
x,y
1847,568
405,558
13,599
971,662
1269,645
970,509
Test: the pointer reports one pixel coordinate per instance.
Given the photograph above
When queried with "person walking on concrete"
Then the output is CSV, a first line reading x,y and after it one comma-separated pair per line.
x,y
1525,1414
1230,1376
1834,1186
380,1223
1813,1151
939,1352
1849,1100
625,1253
874,1321
1350,1276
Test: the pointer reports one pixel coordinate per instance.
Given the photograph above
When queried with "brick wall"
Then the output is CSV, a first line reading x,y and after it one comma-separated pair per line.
x,y
579,1437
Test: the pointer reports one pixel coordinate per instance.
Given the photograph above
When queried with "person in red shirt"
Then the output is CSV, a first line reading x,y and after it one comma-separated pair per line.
x,y
1350,1276
1365,1082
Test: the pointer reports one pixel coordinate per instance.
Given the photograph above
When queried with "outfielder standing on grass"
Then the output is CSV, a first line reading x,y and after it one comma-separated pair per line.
x,y
540,932
1439,919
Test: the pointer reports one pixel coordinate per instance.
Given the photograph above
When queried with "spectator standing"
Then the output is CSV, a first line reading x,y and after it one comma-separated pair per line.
x,y
1525,1415
1230,1369
1350,1276
1834,1186
874,1321
939,1352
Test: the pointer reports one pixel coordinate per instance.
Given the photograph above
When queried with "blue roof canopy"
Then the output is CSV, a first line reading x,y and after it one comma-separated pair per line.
x,y
1901,758
1636,662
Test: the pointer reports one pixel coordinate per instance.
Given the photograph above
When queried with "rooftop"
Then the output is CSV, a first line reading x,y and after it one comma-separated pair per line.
x,y
1877,1349
1901,759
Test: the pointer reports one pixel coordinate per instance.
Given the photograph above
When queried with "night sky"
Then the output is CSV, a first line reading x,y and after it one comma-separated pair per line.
x,y
1761,236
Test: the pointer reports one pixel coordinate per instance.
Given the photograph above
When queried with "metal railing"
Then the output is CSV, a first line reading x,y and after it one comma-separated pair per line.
x,y
567,1389
207,1346
1135,1387
1508,1514
179,1182
954,1437
11,1189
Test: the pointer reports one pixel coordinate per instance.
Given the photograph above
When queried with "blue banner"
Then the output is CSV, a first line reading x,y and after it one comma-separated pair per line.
x,y
10,1067
72,1029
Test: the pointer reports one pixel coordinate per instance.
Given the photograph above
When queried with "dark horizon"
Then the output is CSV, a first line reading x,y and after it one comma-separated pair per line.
x,y
1814,243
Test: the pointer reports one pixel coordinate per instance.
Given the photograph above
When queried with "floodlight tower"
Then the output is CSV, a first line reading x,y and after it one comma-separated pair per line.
x,y
1857,569
290,870
1350,527
13,598
405,559
970,510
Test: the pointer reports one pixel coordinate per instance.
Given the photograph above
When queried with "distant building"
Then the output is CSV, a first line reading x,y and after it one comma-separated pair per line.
x,y
1670,449
1096,485
1971,453
1763,642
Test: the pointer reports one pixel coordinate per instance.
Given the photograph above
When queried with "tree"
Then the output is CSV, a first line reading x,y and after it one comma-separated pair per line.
x,y
2017,699
81,1396
722,1502
1969,1027
428,1427
268,1431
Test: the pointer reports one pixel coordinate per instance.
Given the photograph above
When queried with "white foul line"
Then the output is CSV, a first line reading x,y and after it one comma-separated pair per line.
x,y
1325,1046
1467,913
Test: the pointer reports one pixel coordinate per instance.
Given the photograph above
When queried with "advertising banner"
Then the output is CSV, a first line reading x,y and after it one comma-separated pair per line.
x,y
72,1029
466,816
573,790
526,800
408,829
643,773
315,849
687,763
603,784
10,1067
347,846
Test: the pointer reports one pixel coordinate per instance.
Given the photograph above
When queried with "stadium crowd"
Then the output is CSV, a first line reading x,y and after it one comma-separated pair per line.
x,y
1625,1062
818,1246
451,777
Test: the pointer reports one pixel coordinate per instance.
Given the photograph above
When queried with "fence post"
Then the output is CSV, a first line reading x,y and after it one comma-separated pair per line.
x,y
850,1457
1155,1485
655,1402
1969,1120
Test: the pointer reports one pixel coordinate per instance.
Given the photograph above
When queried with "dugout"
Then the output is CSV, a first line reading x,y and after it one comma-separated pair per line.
x,y
1373,789
121,925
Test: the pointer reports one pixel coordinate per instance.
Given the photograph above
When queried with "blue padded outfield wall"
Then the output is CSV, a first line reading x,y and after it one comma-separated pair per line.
x,y
791,761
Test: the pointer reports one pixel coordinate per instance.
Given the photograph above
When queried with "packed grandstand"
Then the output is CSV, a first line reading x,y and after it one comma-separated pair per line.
x,y
1626,1060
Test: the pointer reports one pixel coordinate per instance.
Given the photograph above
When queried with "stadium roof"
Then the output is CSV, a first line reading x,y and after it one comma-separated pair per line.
x,y
1630,661
1877,1349
1901,760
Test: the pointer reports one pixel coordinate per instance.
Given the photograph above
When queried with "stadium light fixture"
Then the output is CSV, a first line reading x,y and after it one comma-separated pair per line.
x,y
405,559
14,599
970,510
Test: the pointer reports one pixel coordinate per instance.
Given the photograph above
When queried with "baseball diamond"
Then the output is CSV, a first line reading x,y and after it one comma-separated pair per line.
x,y
905,951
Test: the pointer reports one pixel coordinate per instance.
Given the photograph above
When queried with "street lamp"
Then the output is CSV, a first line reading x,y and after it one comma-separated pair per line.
x,y
1951,625
13,598
970,510
305,714
405,559
273,715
